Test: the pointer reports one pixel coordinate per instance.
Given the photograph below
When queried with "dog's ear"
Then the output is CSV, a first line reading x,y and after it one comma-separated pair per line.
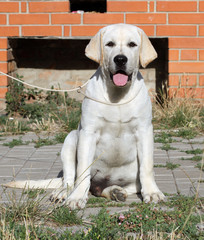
x,y
93,49
147,51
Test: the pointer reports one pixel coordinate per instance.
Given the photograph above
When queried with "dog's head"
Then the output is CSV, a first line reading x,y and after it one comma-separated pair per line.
x,y
119,49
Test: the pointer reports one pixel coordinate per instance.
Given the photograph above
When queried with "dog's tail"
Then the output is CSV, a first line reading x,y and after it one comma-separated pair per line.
x,y
39,184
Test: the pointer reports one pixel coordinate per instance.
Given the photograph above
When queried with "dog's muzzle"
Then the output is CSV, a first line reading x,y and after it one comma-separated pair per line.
x,y
120,77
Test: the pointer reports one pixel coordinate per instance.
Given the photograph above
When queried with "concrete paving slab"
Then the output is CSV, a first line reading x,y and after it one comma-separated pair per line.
x,y
168,187
28,162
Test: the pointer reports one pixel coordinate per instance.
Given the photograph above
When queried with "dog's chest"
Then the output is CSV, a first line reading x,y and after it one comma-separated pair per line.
x,y
117,142
118,118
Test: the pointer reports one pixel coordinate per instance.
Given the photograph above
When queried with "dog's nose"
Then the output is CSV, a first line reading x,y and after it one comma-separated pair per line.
x,y
120,60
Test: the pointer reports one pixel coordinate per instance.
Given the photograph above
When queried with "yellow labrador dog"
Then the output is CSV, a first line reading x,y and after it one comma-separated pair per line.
x,y
111,152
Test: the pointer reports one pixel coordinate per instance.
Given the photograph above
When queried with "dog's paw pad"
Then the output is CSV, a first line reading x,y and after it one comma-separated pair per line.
x,y
118,195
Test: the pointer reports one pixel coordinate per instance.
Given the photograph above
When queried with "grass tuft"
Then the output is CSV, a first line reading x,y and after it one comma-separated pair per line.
x,y
64,216
176,112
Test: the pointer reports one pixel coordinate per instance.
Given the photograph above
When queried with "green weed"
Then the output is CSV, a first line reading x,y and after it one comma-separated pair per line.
x,y
177,112
167,147
63,216
33,193
200,166
194,158
96,200
43,142
16,142
41,110
13,125
176,218
194,151
60,137
159,165
15,98
187,133
172,166
18,210
163,137
167,166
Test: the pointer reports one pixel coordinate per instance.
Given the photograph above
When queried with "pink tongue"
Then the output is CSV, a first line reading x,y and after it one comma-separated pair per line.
x,y
120,79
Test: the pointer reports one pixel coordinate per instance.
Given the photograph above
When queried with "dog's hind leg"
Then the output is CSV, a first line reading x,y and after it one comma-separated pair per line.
x,y
115,193
68,157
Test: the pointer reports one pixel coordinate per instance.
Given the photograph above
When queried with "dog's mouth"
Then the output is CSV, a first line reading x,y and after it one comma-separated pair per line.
x,y
120,78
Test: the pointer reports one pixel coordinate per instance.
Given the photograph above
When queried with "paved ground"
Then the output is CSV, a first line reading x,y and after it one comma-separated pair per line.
x,y
28,162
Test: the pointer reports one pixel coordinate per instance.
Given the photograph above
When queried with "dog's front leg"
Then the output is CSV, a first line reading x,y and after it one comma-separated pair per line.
x,y
150,190
85,154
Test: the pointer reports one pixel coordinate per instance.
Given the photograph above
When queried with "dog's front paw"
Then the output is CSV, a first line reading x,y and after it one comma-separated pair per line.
x,y
74,202
153,197
60,195
77,199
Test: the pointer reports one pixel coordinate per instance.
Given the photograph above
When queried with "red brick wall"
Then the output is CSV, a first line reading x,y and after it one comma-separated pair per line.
x,y
181,21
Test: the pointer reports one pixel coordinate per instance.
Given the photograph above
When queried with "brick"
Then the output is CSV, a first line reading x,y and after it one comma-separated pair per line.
x,y
3,56
69,18
49,6
105,18
176,30
149,30
9,7
176,92
176,6
198,93
2,19
201,30
188,80
9,31
20,19
41,31
173,55
186,43
3,81
188,54
186,67
186,92
127,6
201,80
186,18
3,43
172,92
23,7
143,18
201,6
173,80
3,92
85,30
201,55
3,67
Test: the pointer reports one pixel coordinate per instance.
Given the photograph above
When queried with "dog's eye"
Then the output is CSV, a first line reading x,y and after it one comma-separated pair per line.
x,y
110,44
132,44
